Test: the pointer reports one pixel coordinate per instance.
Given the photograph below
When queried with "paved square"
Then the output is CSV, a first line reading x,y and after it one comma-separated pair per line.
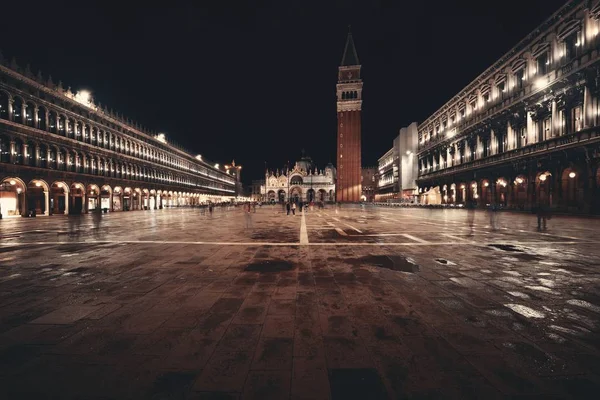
x,y
334,304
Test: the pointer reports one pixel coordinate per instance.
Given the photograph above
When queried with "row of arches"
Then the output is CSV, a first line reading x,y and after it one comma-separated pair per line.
x,y
18,197
565,191
17,109
14,150
297,195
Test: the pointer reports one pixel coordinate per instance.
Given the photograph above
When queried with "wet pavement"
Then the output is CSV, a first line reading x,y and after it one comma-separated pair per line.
x,y
358,303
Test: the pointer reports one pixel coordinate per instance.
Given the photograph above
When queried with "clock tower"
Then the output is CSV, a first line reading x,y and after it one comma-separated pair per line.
x,y
349,105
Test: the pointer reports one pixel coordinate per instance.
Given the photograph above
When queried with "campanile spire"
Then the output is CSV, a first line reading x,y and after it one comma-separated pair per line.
x,y
349,106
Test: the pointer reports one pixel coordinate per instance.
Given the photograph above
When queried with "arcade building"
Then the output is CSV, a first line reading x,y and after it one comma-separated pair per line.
x,y
527,130
60,153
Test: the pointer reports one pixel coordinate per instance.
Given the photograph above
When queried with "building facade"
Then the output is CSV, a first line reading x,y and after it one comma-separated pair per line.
x,y
349,106
368,183
526,131
397,168
60,153
303,183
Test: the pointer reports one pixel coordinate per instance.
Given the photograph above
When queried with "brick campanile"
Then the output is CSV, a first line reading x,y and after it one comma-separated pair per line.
x,y
349,105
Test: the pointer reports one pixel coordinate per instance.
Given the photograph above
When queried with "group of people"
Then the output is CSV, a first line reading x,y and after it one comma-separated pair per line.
x,y
291,206
542,210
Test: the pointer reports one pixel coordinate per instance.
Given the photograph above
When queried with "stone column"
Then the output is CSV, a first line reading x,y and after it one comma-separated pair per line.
x,y
47,202
24,113
67,198
10,109
37,156
530,129
13,146
587,107
555,121
36,122
48,161
26,153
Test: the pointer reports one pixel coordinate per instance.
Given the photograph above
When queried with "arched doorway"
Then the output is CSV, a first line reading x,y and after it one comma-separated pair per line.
x,y
501,192
145,199
520,192
571,189
281,195
127,199
38,197
77,195
12,197
93,193
59,198
117,199
486,192
322,195
105,197
135,199
296,194
543,188
310,195
271,196
152,200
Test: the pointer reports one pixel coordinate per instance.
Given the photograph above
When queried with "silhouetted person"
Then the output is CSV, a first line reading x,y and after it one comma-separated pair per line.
x,y
471,216
294,208
543,213
288,207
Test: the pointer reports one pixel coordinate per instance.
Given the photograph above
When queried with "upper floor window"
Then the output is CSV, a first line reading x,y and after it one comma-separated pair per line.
x,y
571,45
501,89
486,97
543,63
519,78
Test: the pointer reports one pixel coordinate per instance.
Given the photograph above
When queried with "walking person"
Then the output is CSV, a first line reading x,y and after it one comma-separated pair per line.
x,y
294,208
471,216
288,207
543,214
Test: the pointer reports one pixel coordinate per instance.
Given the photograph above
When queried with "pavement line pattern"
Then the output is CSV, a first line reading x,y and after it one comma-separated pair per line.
x,y
357,244
303,232
350,226
340,231
416,239
456,237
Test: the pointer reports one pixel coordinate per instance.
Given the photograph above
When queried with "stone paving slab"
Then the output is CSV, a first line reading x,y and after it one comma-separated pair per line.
x,y
401,304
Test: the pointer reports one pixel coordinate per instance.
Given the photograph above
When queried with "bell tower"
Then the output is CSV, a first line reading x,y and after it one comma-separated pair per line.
x,y
349,105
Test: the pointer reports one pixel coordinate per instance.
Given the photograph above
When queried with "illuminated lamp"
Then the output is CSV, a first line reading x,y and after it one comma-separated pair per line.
x,y
543,177
13,182
572,175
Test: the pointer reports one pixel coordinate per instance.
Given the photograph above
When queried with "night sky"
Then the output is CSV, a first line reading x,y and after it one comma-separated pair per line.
x,y
255,81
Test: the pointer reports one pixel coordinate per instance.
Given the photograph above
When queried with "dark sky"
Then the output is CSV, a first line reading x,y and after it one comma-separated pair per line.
x,y
255,81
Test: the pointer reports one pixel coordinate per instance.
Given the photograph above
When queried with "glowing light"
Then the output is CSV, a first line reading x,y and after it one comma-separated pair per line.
x,y
572,175
486,184
519,180
408,152
13,182
542,177
474,185
161,138
38,184
84,97
540,83
199,157
19,190
217,166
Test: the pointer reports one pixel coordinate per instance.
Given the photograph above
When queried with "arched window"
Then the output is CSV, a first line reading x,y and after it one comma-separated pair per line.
x,y
41,118
3,105
18,110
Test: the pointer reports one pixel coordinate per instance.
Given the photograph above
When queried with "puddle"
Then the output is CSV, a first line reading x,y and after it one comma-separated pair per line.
x,y
506,247
525,311
270,266
395,263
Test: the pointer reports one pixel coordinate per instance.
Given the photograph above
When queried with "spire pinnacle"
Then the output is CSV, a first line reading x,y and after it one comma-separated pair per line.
x,y
350,56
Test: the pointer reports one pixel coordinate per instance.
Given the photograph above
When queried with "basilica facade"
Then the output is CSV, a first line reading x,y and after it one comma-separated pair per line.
x,y
303,183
